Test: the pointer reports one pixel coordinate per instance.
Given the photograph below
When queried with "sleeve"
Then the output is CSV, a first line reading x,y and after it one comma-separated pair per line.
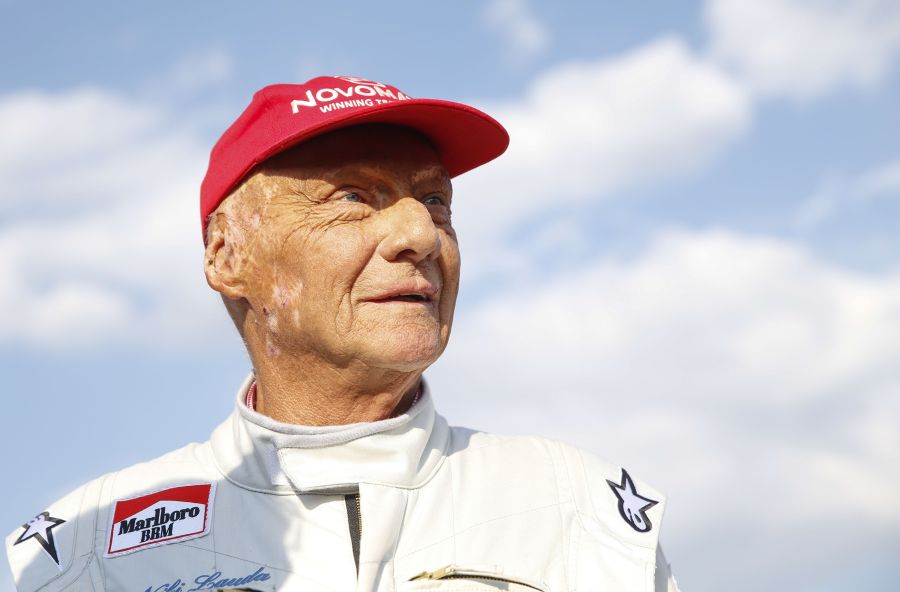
x,y
620,516
665,581
54,550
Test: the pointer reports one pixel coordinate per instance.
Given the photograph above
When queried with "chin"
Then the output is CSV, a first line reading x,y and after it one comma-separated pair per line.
x,y
407,353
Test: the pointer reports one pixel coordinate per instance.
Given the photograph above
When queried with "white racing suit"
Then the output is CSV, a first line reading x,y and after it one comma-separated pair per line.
x,y
399,505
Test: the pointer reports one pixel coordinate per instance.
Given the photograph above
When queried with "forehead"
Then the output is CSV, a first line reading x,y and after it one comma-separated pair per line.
x,y
364,149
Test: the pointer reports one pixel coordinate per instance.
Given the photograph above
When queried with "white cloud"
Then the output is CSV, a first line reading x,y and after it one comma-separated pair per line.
x,y
837,193
100,253
75,313
805,48
514,20
585,129
52,144
880,182
747,312
753,382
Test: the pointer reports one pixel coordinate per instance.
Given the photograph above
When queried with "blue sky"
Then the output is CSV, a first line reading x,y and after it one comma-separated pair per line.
x,y
688,262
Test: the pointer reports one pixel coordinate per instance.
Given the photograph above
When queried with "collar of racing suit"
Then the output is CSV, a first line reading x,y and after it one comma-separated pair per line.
x,y
258,453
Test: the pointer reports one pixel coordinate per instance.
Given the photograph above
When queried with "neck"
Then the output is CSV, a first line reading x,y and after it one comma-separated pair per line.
x,y
303,390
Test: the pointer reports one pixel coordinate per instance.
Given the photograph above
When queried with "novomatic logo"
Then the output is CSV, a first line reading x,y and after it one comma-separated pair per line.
x,y
158,518
356,92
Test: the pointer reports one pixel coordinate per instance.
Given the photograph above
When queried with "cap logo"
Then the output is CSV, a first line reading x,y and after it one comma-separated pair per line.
x,y
359,93
166,516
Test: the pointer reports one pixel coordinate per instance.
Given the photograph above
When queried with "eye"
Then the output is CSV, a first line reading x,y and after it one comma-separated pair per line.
x,y
434,200
353,197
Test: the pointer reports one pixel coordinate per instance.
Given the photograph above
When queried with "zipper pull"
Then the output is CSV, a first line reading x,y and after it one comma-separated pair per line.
x,y
438,574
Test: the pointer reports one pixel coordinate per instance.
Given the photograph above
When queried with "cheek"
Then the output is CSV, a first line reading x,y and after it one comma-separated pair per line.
x,y
332,263
340,256
450,269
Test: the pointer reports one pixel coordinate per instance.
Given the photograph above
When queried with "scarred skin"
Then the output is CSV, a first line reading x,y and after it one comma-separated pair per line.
x,y
302,248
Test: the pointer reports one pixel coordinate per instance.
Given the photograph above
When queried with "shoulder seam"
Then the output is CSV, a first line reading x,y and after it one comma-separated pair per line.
x,y
100,530
568,551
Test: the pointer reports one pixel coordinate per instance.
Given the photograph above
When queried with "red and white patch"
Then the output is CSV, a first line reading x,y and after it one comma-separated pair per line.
x,y
159,518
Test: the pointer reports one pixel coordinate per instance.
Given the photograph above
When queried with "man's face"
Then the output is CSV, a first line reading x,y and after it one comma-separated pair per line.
x,y
350,254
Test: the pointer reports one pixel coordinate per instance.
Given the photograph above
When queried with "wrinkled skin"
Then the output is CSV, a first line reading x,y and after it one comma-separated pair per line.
x,y
301,253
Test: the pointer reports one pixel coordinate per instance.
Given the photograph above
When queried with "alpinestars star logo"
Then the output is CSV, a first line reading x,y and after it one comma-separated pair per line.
x,y
40,528
632,506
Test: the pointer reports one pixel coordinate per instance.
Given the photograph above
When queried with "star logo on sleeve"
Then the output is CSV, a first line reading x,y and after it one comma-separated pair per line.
x,y
632,506
40,528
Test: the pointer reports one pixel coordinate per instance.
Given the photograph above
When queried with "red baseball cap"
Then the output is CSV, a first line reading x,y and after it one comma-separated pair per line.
x,y
282,115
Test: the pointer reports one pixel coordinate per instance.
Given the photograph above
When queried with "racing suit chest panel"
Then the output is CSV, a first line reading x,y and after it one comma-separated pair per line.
x,y
496,507
508,506
299,533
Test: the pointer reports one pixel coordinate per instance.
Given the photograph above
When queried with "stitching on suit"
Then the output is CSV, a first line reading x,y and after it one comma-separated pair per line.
x,y
407,494
105,527
562,526
574,532
452,508
98,530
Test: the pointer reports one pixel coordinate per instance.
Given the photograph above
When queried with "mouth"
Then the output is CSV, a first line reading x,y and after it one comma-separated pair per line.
x,y
412,292
405,298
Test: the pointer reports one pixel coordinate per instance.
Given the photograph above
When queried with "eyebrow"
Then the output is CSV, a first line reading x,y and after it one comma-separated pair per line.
x,y
432,173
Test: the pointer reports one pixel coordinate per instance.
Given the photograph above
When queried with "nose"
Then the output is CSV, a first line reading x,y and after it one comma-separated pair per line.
x,y
409,232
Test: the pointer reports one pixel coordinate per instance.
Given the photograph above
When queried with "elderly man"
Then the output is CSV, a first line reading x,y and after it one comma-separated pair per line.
x,y
326,219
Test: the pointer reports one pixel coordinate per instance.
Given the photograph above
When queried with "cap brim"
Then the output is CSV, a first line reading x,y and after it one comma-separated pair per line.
x,y
464,137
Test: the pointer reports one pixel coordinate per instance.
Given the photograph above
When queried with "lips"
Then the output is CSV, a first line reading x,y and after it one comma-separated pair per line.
x,y
407,291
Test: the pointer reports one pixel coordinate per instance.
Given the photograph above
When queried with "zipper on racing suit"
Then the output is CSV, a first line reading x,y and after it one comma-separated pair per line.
x,y
452,572
354,519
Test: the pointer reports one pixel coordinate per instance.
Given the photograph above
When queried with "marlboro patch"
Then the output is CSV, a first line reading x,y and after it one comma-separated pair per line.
x,y
167,516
